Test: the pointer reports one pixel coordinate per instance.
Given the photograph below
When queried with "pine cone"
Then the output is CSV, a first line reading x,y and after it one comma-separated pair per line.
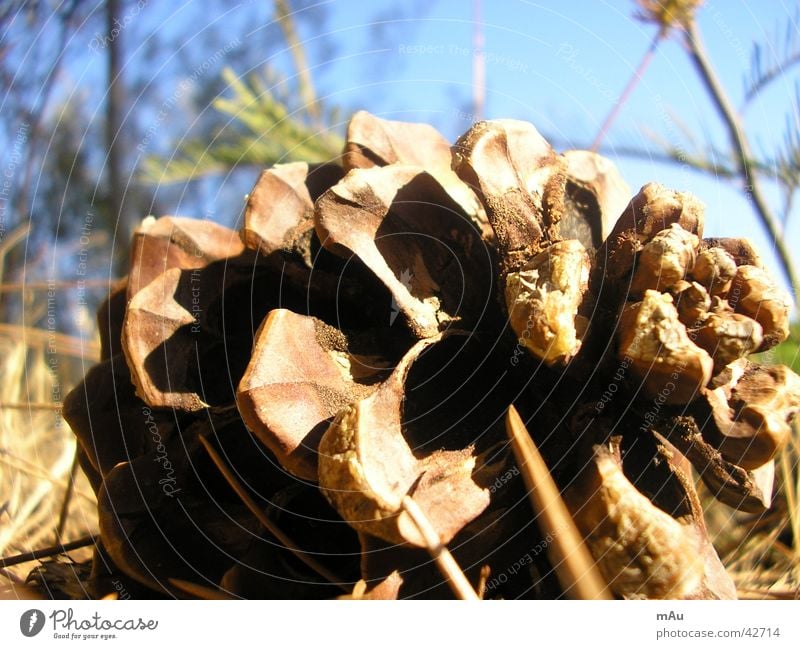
x,y
268,400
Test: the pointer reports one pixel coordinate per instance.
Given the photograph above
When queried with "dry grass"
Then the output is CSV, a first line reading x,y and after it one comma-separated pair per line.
x,y
761,551
37,448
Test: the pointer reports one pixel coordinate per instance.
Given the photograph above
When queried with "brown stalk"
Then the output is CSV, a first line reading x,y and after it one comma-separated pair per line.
x,y
34,555
273,529
574,566
440,554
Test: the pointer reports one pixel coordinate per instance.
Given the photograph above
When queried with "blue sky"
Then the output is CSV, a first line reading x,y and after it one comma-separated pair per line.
x,y
561,65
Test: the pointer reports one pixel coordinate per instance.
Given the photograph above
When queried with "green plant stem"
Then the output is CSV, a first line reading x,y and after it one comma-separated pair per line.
x,y
741,149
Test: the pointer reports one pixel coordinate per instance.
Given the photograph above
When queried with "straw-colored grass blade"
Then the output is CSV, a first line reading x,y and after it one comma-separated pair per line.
x,y
576,570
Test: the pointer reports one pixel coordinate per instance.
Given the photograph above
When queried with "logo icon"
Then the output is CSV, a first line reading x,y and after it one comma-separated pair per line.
x,y
31,622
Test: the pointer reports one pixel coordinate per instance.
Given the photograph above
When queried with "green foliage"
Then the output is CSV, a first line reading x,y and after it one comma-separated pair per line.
x,y
772,59
259,126
787,353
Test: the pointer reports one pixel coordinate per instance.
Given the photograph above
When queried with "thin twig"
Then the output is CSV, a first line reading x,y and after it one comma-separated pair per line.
x,y
741,149
668,156
271,527
62,548
199,591
64,513
766,77
629,88
672,157
440,554
574,566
